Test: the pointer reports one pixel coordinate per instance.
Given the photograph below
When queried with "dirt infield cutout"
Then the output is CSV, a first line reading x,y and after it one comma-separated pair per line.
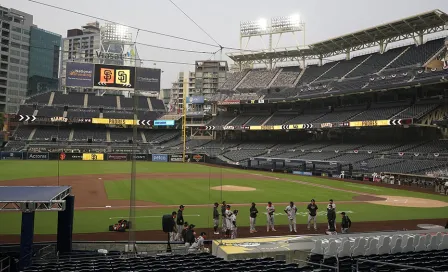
x,y
404,201
233,188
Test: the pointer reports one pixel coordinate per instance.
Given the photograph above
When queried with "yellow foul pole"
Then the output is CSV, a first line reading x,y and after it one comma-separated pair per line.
x,y
184,115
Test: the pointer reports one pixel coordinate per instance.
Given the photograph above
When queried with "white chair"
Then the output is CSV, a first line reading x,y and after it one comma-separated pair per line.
x,y
380,240
397,247
439,237
432,244
317,247
421,246
409,247
356,244
428,239
416,240
331,250
404,240
373,248
384,249
394,239
444,244
360,249
344,250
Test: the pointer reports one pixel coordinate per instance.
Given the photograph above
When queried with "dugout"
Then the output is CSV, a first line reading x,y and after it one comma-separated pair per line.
x,y
32,199
317,166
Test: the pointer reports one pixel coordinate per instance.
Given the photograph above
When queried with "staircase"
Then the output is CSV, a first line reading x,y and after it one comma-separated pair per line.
x,y
143,137
86,100
50,101
64,114
35,112
275,77
70,136
298,78
241,81
118,102
356,67
108,136
267,120
387,65
32,134
149,104
325,72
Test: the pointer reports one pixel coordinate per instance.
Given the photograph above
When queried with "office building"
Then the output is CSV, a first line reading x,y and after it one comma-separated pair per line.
x,y
43,69
14,57
209,75
177,90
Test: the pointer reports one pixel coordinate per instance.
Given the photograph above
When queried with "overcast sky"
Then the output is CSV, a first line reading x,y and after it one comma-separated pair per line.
x,y
324,19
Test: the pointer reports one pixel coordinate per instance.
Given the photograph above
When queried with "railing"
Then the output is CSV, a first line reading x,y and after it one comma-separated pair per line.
x,y
5,264
336,268
392,264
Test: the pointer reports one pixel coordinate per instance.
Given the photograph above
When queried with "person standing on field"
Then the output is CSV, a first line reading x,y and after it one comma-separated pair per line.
x,y
346,223
228,221
331,216
312,213
215,218
180,222
291,212
233,226
270,209
223,216
253,217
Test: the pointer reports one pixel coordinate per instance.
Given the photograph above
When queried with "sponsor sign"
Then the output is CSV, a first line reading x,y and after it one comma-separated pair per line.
x,y
109,121
112,56
93,157
198,158
159,157
114,77
195,100
117,157
147,79
11,155
37,156
79,74
228,127
140,157
369,123
326,125
301,173
177,158
65,156
229,102
164,123
59,119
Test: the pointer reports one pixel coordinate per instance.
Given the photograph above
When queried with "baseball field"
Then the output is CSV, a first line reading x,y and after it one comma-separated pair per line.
x,y
102,192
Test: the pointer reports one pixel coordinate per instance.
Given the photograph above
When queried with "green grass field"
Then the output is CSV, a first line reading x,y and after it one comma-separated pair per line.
x,y
189,191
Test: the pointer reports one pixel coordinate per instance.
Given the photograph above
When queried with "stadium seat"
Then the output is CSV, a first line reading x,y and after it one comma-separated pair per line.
x,y
344,249
444,244
372,248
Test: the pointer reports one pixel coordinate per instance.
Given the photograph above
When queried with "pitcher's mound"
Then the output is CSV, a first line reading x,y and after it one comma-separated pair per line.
x,y
233,188
404,201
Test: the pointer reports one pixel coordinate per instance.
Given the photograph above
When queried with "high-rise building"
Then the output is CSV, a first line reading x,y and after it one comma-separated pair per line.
x,y
93,43
43,71
14,57
177,90
209,74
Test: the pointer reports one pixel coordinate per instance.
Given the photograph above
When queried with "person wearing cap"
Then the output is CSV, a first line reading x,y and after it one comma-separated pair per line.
x,y
223,215
253,217
198,245
331,216
228,214
173,234
233,226
215,218
312,213
270,209
180,223
184,231
346,223
291,211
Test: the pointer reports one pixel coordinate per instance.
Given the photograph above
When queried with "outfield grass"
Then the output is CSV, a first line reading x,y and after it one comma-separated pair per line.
x,y
150,219
196,191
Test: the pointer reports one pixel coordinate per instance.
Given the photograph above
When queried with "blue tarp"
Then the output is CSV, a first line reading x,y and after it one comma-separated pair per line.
x,y
30,193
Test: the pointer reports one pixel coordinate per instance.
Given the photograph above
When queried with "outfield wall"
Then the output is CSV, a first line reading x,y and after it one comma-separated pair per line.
x,y
69,156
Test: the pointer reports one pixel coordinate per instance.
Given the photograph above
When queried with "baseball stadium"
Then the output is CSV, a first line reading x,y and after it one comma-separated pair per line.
x,y
95,180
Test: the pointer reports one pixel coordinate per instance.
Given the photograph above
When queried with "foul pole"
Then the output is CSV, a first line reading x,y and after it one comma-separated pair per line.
x,y
184,115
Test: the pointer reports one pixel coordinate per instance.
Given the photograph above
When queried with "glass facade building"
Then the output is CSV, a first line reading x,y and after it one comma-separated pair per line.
x,y
43,70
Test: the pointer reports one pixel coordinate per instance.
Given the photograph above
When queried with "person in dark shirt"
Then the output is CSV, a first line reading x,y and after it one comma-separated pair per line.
x,y
173,223
180,222
331,216
190,236
312,213
223,216
346,223
253,217
215,218
184,231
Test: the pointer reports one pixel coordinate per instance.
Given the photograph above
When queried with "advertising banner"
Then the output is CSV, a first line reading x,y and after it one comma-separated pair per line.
x,y
140,157
159,157
79,74
195,100
37,156
66,156
114,77
111,121
164,123
147,79
197,158
11,155
117,157
177,158
93,157
301,173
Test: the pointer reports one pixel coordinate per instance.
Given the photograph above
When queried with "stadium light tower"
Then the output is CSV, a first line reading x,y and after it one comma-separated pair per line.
x,y
117,47
277,26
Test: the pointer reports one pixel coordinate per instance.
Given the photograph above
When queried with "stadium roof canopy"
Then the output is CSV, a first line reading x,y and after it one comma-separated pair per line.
x,y
33,198
407,28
